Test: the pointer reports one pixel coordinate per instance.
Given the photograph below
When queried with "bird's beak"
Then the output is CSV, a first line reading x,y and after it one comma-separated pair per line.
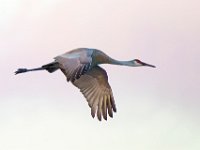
x,y
145,64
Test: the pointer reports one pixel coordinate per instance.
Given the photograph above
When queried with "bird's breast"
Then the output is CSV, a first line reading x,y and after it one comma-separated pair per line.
x,y
99,57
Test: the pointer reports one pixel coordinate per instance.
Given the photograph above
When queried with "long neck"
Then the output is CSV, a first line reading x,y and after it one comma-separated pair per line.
x,y
122,63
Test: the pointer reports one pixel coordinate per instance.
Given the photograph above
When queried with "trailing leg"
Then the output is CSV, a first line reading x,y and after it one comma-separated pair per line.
x,y
51,67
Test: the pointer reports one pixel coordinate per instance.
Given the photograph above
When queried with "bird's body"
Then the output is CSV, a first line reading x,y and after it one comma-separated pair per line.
x,y
81,67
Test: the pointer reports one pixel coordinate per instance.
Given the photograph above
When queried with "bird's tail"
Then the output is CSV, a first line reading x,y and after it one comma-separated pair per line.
x,y
51,67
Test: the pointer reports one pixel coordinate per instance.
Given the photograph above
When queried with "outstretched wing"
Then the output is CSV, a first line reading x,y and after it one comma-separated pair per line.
x,y
97,91
75,63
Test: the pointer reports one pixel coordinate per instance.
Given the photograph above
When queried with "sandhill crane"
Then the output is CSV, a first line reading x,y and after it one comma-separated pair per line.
x,y
81,68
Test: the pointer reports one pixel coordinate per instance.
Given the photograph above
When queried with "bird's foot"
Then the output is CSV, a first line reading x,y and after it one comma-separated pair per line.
x,y
21,70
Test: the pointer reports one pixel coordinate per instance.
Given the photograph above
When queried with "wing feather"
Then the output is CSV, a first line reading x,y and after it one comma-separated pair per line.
x,y
97,91
104,109
113,103
99,111
95,103
109,106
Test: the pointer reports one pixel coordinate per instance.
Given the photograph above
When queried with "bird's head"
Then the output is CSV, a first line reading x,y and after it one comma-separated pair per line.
x,y
137,62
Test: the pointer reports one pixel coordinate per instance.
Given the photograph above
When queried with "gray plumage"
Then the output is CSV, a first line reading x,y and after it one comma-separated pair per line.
x,y
81,68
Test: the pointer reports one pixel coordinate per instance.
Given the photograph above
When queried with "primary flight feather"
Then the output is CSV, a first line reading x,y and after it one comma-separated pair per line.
x,y
81,68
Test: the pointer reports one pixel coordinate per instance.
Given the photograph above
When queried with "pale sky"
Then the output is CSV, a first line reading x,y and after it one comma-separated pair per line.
x,y
158,109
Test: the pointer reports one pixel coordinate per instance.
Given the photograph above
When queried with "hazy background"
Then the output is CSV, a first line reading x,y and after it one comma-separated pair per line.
x,y
158,109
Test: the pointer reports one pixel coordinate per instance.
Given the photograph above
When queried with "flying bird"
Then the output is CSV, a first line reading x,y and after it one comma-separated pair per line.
x,y
81,68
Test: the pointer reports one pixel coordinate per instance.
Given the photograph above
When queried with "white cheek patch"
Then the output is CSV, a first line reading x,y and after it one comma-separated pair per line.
x,y
137,64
